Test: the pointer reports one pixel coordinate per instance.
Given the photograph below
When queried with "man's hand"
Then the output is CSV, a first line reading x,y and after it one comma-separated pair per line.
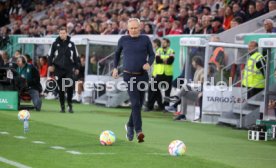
x,y
115,73
146,66
51,68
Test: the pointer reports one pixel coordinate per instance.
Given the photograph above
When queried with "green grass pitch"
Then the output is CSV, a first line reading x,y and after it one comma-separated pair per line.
x,y
208,146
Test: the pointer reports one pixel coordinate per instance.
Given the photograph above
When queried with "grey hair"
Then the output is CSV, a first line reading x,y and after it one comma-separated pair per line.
x,y
269,21
133,19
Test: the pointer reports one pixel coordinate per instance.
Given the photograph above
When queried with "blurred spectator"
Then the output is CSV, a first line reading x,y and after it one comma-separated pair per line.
x,y
218,56
28,58
190,29
164,27
271,5
238,12
109,17
236,21
198,28
176,28
43,71
206,25
80,79
13,59
5,58
147,29
217,25
268,26
206,10
252,11
122,27
43,67
183,16
260,8
93,66
228,16
89,29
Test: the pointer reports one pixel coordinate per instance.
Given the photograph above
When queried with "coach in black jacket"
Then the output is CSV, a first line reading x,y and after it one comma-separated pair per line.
x,y
64,62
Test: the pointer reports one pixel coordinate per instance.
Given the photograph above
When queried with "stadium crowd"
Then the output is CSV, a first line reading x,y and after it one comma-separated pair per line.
x,y
162,17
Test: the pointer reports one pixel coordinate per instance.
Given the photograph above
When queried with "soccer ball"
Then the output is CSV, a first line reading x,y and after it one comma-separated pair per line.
x,y
107,138
177,148
24,115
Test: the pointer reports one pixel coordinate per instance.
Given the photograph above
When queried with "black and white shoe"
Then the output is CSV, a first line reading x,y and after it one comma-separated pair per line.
x,y
129,132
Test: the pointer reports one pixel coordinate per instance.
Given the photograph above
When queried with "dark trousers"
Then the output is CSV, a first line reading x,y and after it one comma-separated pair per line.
x,y
136,97
69,89
155,95
253,91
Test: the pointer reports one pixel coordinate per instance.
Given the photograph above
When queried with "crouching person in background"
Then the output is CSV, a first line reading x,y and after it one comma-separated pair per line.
x,y
32,80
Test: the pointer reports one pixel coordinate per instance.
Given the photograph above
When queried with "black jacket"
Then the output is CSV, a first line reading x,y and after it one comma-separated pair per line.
x,y
187,31
64,56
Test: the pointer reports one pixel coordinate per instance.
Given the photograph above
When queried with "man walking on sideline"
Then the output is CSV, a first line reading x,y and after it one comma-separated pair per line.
x,y
138,56
64,62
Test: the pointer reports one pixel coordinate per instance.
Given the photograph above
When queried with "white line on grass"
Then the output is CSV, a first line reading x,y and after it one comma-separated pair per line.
x,y
74,152
38,142
4,133
20,137
13,163
100,153
57,147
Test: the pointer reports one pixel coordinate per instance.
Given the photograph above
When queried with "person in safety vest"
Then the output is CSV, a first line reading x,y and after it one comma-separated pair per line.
x,y
218,57
162,74
254,71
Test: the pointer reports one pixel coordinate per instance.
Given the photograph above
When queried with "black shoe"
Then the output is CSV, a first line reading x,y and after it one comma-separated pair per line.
x,y
146,109
180,117
70,109
129,133
62,109
140,137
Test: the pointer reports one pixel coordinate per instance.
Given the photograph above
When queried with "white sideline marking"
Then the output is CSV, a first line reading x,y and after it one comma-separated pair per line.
x,y
20,137
74,152
13,163
57,147
100,153
4,133
38,142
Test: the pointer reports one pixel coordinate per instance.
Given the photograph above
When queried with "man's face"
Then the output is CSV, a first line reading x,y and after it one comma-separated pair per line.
x,y
82,60
190,23
205,21
259,6
251,46
165,44
133,28
17,54
234,23
251,9
19,62
271,6
194,64
63,34
268,26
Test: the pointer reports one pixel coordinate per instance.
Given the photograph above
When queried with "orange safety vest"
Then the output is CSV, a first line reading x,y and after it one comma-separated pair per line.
x,y
213,58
